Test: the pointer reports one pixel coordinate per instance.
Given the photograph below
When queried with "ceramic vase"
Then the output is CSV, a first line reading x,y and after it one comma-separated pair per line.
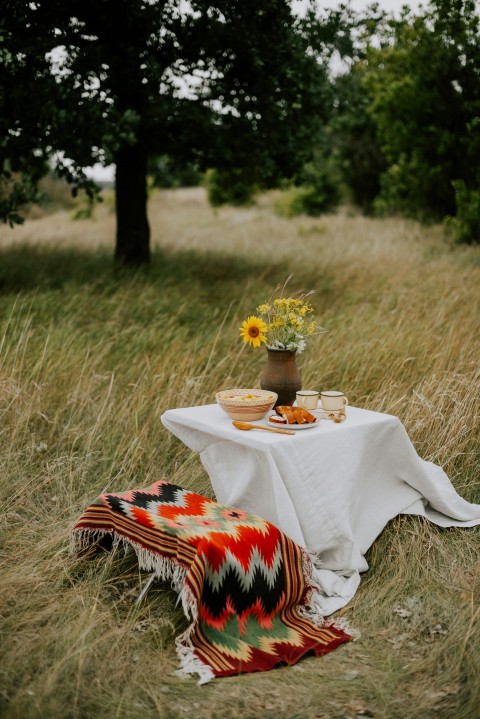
x,y
281,375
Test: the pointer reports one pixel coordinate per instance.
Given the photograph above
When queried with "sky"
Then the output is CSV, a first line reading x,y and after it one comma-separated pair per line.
x,y
106,174
393,6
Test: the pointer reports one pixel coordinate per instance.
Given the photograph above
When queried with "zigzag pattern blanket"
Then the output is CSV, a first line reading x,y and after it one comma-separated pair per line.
x,y
245,586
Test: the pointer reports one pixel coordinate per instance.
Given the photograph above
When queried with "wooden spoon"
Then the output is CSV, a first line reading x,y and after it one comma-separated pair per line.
x,y
245,425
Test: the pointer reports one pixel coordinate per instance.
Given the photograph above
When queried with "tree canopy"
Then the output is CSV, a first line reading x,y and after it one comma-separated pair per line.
x,y
235,86
405,131
244,90
424,85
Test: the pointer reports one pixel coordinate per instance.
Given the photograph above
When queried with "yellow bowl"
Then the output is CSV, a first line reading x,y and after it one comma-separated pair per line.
x,y
246,404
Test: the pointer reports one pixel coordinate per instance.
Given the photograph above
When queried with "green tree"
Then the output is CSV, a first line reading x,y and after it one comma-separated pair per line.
x,y
347,162
223,84
353,138
424,85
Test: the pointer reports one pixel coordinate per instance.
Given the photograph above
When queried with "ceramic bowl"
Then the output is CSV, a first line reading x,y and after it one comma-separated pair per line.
x,y
246,404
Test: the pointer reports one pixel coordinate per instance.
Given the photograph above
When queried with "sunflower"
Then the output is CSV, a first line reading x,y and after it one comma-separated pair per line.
x,y
252,331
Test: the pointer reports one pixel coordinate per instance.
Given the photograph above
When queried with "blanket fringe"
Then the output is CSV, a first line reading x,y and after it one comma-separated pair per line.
x,y
189,662
166,570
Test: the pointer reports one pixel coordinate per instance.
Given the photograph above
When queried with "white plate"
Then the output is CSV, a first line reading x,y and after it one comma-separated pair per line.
x,y
284,425
327,414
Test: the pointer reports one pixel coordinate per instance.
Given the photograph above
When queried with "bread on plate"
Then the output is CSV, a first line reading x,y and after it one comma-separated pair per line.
x,y
292,415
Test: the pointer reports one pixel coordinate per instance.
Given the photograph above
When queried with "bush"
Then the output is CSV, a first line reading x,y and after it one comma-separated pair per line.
x,y
168,173
465,226
318,192
56,194
233,187
295,201
84,207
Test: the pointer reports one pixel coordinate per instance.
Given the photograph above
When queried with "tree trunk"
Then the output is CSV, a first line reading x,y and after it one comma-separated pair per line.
x,y
133,230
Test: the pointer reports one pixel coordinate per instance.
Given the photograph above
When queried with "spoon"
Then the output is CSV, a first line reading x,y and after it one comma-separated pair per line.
x,y
245,425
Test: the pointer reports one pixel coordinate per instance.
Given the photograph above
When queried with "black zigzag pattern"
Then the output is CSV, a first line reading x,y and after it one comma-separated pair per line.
x,y
214,598
164,494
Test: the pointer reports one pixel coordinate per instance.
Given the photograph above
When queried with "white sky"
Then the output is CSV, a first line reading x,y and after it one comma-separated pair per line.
x,y
106,174
393,6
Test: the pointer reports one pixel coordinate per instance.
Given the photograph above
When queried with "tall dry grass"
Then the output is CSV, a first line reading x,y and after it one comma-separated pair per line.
x,y
90,360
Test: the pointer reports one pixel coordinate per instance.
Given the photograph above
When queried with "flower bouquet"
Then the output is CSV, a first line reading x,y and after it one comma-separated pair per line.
x,y
282,324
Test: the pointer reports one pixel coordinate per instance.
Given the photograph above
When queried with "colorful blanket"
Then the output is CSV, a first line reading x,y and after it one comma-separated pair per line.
x,y
245,586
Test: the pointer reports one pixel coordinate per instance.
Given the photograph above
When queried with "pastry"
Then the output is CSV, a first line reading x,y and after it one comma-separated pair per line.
x,y
295,415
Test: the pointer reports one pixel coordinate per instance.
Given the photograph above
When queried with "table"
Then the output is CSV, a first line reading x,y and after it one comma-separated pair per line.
x,y
331,488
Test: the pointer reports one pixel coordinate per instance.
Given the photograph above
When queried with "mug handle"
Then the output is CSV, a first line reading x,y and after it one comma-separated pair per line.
x,y
345,401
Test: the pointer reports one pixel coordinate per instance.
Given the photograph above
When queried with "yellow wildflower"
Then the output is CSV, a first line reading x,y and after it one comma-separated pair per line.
x,y
288,320
252,331
263,309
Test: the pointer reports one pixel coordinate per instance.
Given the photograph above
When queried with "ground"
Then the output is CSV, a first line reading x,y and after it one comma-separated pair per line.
x,y
90,359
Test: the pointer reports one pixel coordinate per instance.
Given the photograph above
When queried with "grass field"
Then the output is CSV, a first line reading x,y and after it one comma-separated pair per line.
x,y
90,359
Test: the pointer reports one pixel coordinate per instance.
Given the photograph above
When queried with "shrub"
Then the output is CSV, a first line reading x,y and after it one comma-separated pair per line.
x,y
168,173
465,226
233,187
85,207
318,192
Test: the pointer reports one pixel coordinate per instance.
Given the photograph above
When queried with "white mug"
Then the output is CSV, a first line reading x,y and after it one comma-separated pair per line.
x,y
333,401
307,398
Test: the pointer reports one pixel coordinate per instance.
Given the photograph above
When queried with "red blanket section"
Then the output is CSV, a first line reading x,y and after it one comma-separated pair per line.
x,y
244,583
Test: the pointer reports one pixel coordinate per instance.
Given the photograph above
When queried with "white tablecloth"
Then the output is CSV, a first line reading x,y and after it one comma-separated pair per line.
x,y
331,488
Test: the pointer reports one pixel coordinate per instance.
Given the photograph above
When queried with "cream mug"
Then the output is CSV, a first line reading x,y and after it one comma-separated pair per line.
x,y
333,401
307,398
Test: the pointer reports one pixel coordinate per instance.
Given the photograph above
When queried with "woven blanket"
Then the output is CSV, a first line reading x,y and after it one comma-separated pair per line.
x,y
244,585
